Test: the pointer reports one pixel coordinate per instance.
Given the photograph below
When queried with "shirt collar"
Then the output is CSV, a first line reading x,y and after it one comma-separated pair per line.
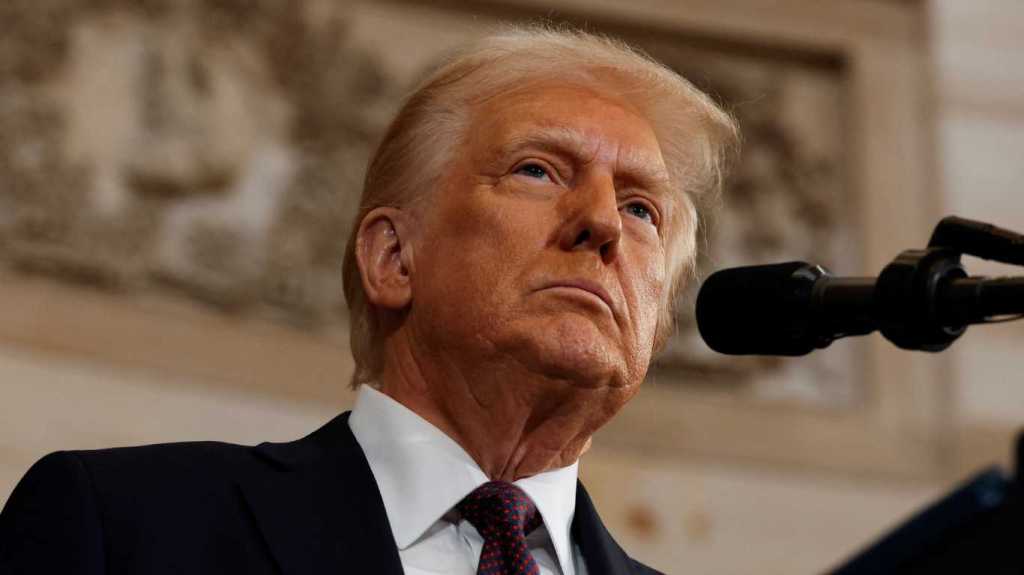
x,y
422,473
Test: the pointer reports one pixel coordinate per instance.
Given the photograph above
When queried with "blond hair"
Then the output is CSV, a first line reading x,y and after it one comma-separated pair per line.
x,y
696,137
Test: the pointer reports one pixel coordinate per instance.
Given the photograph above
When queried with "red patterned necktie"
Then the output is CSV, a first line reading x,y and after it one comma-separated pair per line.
x,y
503,515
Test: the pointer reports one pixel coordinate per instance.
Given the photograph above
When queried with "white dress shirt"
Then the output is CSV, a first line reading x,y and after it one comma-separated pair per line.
x,y
422,474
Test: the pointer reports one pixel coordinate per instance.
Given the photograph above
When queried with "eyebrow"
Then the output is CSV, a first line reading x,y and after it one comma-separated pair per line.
x,y
636,167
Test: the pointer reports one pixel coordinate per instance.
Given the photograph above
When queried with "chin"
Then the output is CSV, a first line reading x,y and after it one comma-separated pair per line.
x,y
576,351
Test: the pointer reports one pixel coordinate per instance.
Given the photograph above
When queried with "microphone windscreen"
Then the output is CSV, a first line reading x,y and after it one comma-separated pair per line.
x,y
758,310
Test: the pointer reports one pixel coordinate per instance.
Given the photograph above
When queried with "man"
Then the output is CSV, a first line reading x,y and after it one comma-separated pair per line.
x,y
525,225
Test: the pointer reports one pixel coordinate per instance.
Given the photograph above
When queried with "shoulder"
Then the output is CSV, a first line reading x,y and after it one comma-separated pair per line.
x,y
134,466
70,502
163,475
157,468
161,506
162,462
168,472
135,485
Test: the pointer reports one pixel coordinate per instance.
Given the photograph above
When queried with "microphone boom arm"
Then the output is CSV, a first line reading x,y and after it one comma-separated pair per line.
x,y
923,300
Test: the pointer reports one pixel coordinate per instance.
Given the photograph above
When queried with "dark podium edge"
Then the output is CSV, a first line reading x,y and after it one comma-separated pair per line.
x,y
964,513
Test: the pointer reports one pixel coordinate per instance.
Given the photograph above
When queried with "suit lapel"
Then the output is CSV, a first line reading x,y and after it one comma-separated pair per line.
x,y
601,553
320,511
319,508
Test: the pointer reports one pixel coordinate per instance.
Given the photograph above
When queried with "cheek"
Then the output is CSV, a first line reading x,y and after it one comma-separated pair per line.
x,y
503,234
475,249
649,287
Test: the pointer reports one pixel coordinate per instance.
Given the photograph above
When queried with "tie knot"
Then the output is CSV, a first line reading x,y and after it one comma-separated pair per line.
x,y
499,509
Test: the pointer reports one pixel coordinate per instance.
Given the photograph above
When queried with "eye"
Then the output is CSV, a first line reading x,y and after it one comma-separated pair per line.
x,y
533,170
640,210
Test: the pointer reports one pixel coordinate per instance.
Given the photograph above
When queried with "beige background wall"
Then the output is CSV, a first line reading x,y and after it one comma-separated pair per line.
x,y
716,510
978,48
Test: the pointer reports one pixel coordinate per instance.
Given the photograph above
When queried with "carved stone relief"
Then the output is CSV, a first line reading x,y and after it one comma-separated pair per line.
x,y
213,150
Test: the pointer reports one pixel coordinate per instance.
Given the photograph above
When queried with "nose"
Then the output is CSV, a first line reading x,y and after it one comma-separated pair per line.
x,y
593,221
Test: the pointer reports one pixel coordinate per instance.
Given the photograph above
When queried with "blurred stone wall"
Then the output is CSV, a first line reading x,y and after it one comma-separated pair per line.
x,y
209,150
980,76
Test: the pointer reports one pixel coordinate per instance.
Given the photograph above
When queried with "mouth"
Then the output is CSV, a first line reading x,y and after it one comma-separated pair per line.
x,y
586,288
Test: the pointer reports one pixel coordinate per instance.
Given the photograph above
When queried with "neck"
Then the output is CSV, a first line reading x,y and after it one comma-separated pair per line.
x,y
513,422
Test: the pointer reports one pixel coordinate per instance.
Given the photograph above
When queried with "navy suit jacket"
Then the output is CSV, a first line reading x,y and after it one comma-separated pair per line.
x,y
304,507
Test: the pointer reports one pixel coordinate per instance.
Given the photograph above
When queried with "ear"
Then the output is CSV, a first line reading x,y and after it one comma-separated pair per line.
x,y
384,253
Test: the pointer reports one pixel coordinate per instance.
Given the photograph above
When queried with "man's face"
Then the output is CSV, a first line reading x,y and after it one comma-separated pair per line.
x,y
544,243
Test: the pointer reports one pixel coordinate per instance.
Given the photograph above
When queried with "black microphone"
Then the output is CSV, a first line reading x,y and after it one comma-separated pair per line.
x,y
793,308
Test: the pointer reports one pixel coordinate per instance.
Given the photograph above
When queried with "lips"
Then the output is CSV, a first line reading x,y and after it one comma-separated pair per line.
x,y
587,286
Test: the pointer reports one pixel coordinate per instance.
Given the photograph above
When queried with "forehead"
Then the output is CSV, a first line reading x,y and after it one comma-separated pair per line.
x,y
569,118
